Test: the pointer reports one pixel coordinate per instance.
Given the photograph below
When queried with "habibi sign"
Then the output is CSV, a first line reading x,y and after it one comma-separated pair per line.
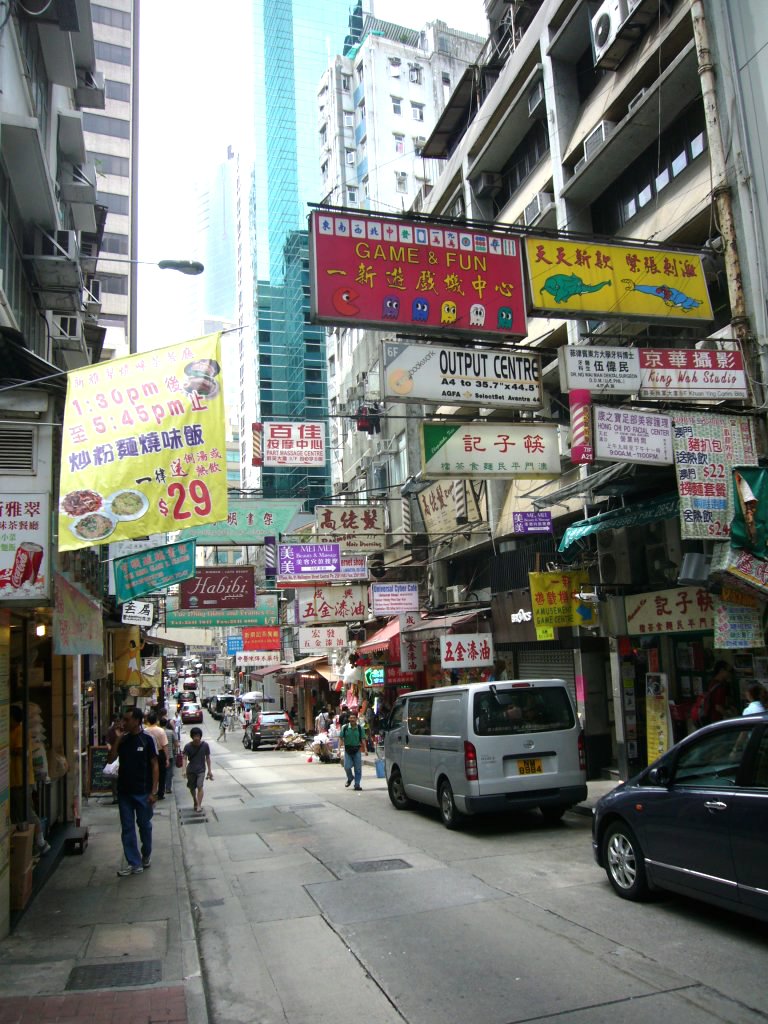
x,y
230,587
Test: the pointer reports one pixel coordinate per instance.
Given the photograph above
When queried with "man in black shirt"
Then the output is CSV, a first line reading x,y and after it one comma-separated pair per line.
x,y
137,789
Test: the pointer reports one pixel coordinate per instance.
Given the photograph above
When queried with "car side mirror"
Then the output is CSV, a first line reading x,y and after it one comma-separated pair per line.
x,y
659,776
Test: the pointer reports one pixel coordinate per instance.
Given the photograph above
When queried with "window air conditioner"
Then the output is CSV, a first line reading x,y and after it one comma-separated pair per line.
x,y
487,185
78,183
597,137
66,331
92,296
55,259
538,206
454,594
606,22
89,91
536,106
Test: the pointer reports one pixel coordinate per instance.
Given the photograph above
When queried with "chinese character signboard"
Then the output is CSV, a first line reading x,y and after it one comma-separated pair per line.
x,y
458,376
441,501
249,521
261,638
595,281
556,600
706,446
307,560
658,719
230,587
689,373
24,547
738,626
331,604
740,569
531,522
138,613
351,567
234,644
623,435
410,276
466,650
679,610
599,368
394,598
322,638
78,626
263,613
257,659
490,450
143,445
353,527
411,647
129,547
292,444
143,572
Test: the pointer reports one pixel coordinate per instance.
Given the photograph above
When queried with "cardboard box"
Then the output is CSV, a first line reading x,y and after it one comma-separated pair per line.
x,y
22,847
21,889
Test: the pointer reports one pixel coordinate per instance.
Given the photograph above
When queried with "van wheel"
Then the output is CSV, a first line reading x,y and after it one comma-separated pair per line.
x,y
553,813
452,817
397,791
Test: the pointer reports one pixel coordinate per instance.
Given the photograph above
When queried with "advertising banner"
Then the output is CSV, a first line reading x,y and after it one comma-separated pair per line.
x,y
234,644
692,373
331,603
128,647
394,598
263,613
740,569
291,444
411,647
78,626
441,501
556,601
261,638
407,275
466,650
599,368
25,569
352,527
624,435
351,567
485,450
143,445
153,569
307,560
222,587
322,638
593,281
257,659
706,446
531,522
749,529
738,626
138,613
658,718
129,547
677,610
461,376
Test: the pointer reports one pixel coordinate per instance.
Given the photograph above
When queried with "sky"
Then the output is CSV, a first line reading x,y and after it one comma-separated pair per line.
x,y
194,101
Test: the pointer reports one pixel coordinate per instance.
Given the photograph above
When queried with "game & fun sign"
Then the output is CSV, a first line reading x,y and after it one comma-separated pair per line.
x,y
143,445
404,274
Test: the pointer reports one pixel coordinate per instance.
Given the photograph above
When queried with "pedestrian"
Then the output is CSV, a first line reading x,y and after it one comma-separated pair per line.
x,y
353,738
158,734
114,730
137,789
173,747
177,724
756,696
713,705
321,721
197,761
223,725
343,716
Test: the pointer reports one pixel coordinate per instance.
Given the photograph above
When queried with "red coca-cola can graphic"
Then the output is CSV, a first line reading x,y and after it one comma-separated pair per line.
x,y
26,564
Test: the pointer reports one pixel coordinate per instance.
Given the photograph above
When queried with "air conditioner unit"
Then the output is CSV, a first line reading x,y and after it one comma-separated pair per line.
x,y
694,569
55,259
597,137
487,185
663,551
92,296
66,331
580,165
636,100
619,555
455,594
536,107
538,206
89,91
78,183
606,22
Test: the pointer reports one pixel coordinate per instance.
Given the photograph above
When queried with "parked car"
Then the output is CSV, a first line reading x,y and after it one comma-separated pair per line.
x,y
267,728
191,714
220,701
486,747
694,822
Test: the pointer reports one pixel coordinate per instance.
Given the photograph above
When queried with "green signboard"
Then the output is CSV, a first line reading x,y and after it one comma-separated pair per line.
x,y
263,614
249,521
144,572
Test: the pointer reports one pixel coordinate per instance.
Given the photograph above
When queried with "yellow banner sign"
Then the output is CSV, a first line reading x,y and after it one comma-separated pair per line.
x,y
586,279
144,445
557,599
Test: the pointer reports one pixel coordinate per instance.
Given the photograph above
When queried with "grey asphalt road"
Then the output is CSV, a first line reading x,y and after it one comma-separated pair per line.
x,y
314,903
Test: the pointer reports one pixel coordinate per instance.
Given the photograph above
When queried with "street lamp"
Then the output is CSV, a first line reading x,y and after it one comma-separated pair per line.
x,y
189,267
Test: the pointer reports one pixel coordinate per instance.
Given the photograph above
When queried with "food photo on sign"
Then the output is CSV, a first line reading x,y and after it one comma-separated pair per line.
x,y
143,445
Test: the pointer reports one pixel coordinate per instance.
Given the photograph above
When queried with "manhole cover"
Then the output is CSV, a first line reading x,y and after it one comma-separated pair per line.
x,y
393,864
141,972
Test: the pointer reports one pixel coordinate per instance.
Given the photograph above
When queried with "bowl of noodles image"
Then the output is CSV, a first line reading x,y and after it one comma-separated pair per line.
x,y
94,526
127,505
80,503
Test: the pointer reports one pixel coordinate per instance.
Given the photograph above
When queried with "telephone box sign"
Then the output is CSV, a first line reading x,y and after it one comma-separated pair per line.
x,y
411,275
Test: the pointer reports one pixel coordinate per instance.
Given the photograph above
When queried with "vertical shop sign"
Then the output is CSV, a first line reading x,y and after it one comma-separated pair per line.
x,y
24,547
658,720
737,626
411,650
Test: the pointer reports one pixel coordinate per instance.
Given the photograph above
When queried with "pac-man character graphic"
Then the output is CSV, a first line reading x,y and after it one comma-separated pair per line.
x,y
344,301
448,313
476,315
420,310
504,318
400,382
391,309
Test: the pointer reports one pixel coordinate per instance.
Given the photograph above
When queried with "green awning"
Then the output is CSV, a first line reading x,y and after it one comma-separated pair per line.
x,y
667,507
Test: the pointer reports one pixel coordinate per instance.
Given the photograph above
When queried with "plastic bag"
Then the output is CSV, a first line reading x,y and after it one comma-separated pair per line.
x,y
111,770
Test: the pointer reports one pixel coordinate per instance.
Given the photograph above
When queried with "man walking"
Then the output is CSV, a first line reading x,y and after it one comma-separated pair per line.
x,y
352,738
197,759
137,788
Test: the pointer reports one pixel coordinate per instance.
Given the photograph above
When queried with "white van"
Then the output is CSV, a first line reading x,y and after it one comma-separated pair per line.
x,y
502,746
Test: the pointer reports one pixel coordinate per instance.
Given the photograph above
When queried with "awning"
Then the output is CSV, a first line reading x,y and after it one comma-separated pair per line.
x,y
262,673
667,507
433,629
313,662
379,641
585,484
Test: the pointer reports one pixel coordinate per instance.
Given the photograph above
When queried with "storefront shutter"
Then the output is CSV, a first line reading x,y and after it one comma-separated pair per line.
x,y
547,665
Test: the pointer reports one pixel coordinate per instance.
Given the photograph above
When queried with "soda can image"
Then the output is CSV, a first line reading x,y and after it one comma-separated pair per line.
x,y
26,564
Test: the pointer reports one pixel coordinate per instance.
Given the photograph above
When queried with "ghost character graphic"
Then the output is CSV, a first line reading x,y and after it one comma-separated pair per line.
x,y
448,313
391,309
504,321
420,310
476,315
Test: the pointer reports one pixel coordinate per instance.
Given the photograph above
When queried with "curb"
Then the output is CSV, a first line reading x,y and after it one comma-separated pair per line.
x,y
192,974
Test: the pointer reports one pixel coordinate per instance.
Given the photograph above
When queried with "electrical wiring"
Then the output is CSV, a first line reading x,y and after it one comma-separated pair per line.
x,y
34,14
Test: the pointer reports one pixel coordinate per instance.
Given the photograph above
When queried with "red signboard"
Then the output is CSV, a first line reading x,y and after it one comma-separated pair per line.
x,y
261,638
231,587
426,278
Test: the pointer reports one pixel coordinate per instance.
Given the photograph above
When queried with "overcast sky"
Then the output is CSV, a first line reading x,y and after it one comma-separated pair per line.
x,y
194,95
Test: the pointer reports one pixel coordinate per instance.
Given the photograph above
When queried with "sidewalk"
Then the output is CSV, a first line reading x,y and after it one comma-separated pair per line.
x,y
93,948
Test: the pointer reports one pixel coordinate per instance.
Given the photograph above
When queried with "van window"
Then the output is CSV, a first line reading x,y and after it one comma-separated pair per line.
x,y
508,712
420,716
395,717
446,716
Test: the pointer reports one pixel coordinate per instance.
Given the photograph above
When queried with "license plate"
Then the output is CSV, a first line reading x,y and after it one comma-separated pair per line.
x,y
529,766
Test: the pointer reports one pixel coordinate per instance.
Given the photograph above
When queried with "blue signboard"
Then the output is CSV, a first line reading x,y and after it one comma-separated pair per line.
x,y
234,644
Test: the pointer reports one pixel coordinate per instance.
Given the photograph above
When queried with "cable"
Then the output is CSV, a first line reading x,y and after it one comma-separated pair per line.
x,y
34,14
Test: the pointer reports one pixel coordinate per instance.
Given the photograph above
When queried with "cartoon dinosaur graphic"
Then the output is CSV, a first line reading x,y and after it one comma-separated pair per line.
x,y
669,296
564,286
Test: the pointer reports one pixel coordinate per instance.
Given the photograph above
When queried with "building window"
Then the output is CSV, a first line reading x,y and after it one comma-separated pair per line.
x,y
394,66
324,169
446,80
346,83
401,181
363,147
352,196
113,242
117,127
114,203
415,74
417,111
359,71
397,105
324,135
418,144
106,163
522,163
115,284
361,111
108,16
112,53
349,119
400,144
117,90
366,187
349,157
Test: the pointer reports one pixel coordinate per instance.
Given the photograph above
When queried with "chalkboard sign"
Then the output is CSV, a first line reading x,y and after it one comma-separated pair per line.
x,y
97,782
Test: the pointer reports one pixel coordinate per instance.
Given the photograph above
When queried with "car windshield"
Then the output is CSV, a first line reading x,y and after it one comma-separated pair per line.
x,y
508,712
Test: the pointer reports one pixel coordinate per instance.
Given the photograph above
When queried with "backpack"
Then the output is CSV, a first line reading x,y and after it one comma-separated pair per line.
x,y
700,710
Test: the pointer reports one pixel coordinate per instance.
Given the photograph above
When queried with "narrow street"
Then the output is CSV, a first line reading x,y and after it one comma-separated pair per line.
x,y
315,903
